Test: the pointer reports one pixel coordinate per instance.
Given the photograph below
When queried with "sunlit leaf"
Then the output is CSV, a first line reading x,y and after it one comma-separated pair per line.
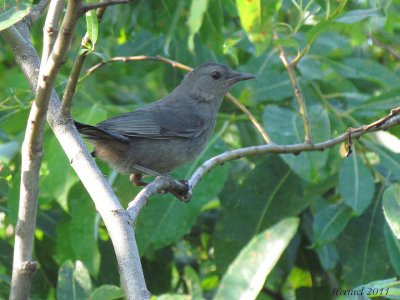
x,y
246,275
391,208
14,15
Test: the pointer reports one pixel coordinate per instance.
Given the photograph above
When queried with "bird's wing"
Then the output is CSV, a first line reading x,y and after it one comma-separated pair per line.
x,y
158,123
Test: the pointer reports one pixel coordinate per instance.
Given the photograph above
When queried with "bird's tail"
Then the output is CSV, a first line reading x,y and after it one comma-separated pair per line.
x,y
94,133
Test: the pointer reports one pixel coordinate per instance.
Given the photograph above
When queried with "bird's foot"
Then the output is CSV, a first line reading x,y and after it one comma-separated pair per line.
x,y
182,194
136,179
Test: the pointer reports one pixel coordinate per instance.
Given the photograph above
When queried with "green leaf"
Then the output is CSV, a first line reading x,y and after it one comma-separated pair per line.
x,y
364,256
269,86
391,208
328,256
256,18
102,56
316,30
195,20
272,190
14,15
192,282
92,26
8,150
329,223
358,15
57,175
73,281
83,228
356,184
246,275
360,68
285,127
107,292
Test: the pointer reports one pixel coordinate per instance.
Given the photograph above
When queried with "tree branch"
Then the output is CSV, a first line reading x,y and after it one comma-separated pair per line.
x,y
36,12
115,218
181,66
88,7
50,29
31,156
297,92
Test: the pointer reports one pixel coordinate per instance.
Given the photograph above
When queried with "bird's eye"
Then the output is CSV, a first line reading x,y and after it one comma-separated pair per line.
x,y
215,75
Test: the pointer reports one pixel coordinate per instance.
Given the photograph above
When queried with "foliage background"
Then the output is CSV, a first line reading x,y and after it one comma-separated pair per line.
x,y
348,207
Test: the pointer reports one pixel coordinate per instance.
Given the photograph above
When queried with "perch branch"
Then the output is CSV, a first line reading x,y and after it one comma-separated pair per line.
x,y
181,66
167,183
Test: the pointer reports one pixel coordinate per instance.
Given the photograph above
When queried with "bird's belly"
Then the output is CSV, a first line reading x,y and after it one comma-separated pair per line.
x,y
160,155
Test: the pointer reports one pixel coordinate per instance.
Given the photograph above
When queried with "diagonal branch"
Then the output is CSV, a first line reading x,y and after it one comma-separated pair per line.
x,y
181,66
297,92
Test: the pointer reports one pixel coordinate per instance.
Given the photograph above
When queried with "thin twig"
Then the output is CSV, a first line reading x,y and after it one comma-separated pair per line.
x,y
297,91
388,48
181,66
88,7
36,12
71,84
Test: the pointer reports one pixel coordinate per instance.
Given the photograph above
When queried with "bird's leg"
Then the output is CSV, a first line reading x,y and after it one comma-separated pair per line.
x,y
136,179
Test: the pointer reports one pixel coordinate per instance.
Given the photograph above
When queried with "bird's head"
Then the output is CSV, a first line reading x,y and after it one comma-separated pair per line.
x,y
211,81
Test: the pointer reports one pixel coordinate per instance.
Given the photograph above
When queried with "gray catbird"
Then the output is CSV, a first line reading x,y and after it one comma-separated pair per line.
x,y
168,133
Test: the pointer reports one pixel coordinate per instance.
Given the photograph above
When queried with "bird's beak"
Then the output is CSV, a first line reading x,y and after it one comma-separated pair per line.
x,y
236,77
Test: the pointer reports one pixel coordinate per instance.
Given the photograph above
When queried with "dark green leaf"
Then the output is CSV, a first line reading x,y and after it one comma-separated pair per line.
x,y
330,222
363,256
83,228
73,281
269,193
285,127
356,184
107,292
358,15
